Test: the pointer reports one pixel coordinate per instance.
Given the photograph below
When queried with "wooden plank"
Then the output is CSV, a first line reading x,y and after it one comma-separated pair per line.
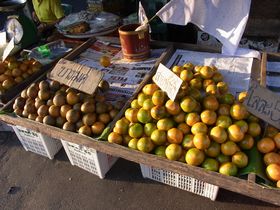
x,y
230,183
263,69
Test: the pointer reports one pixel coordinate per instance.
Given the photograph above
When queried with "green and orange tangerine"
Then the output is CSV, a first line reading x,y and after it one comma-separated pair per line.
x,y
184,128
224,109
238,111
247,142
174,135
195,157
186,75
165,124
199,127
149,89
196,82
131,115
187,142
158,112
141,98
240,159
208,117
213,150
149,128
188,104
172,107
159,97
159,137
229,169
223,121
206,72
160,151
136,130
210,164
144,116
192,118
145,144
210,102
133,143
221,158
229,148
173,151
235,133
148,104
179,118
218,134
201,141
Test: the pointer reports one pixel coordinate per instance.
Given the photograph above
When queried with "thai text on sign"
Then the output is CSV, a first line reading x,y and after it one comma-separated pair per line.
x,y
263,103
77,76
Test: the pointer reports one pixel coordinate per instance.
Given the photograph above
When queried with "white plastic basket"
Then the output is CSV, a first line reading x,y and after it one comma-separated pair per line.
x,y
89,159
35,142
180,181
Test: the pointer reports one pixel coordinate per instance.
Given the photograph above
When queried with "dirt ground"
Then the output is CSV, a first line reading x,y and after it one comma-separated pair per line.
x,y
30,181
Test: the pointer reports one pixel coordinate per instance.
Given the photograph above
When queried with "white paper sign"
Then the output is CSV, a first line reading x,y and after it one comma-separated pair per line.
x,y
8,49
2,38
167,81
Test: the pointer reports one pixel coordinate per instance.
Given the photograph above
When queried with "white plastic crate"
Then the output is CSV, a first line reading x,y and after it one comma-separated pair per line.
x,y
180,181
36,142
89,159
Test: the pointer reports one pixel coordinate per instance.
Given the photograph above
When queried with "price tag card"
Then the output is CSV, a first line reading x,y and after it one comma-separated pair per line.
x,y
8,49
3,38
77,76
167,81
263,103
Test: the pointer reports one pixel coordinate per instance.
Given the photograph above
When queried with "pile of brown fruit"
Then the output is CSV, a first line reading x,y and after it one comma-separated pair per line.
x,y
54,104
14,71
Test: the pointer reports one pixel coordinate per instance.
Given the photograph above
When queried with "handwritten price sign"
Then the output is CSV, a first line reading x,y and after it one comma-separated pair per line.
x,y
167,81
77,76
263,103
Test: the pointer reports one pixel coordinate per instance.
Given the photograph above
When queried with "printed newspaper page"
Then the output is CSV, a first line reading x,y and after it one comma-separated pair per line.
x,y
124,77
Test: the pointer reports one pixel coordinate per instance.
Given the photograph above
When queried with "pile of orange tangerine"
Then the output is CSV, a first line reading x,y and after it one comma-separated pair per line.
x,y
269,145
205,126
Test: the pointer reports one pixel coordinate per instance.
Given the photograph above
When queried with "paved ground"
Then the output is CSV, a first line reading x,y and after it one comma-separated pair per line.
x,y
29,181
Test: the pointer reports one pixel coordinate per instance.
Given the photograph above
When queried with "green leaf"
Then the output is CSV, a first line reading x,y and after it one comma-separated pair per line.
x,y
105,134
255,166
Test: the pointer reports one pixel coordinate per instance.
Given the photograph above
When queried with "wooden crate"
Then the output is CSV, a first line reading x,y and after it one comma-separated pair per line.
x,y
13,92
274,57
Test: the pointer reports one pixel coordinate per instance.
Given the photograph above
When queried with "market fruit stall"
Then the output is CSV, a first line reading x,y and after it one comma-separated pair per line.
x,y
246,185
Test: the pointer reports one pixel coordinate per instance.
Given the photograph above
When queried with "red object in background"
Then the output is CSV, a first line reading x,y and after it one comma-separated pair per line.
x,y
135,44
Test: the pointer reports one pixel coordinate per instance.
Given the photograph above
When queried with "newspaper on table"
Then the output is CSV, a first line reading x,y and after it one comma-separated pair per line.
x,y
235,70
124,77
273,76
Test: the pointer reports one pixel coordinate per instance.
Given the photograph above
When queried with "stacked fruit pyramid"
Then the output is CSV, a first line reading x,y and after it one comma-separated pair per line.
x,y
269,145
13,71
54,104
205,126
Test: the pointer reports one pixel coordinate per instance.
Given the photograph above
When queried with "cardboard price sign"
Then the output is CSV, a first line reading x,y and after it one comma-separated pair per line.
x,y
263,103
77,76
167,81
